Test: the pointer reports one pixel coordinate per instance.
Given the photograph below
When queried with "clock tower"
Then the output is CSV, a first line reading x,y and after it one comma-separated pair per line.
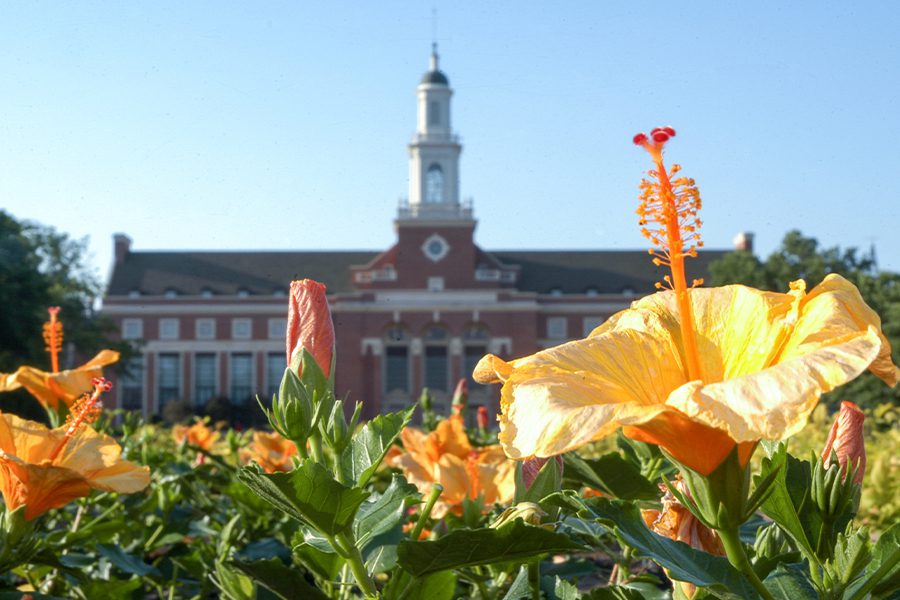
x,y
434,153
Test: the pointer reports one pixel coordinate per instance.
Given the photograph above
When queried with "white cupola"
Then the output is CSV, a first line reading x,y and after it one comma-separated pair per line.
x,y
434,153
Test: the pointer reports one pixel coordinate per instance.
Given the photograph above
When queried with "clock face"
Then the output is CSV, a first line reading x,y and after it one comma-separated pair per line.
x,y
435,247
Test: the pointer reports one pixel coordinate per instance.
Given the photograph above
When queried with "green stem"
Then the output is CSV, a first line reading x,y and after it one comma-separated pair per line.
x,y
534,577
354,559
433,496
315,448
734,549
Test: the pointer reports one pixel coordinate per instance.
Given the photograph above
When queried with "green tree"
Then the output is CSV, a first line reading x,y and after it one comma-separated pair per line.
x,y
42,267
801,257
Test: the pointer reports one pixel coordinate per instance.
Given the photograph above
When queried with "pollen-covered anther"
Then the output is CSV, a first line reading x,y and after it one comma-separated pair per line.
x,y
697,282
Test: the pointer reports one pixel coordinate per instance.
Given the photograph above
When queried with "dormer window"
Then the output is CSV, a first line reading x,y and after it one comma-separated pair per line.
x,y
170,293
243,293
134,294
206,293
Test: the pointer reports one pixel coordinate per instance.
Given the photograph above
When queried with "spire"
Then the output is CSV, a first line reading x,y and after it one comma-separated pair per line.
x,y
433,63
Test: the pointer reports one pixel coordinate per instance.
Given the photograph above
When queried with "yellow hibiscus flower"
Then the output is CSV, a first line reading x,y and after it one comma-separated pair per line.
x,y
695,371
48,468
445,456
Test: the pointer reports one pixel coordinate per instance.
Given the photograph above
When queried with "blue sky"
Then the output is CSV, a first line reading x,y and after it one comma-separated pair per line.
x,y
225,125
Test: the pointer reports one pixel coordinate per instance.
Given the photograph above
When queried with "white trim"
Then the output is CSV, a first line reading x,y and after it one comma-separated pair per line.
x,y
137,324
235,323
500,345
205,320
376,345
168,346
173,322
269,310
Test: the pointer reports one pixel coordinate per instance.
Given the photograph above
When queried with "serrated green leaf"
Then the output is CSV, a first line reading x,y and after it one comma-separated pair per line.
x,y
882,574
280,579
371,443
788,494
683,562
520,589
380,554
385,512
790,582
325,565
557,589
612,475
514,541
309,494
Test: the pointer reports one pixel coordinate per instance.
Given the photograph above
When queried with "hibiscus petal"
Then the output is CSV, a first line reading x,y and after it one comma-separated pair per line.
x,y
775,402
564,397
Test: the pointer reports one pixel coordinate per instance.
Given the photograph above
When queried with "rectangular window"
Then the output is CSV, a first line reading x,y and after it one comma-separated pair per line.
x,y
132,329
591,323
240,329
168,329
437,368
241,378
471,356
204,378
557,328
275,365
277,328
435,284
396,372
132,383
205,329
169,387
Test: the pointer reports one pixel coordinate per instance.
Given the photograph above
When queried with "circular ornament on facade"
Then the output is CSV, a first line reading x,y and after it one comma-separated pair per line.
x,y
435,248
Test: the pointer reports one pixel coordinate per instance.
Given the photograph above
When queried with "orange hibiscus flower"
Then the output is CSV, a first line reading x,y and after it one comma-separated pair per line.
x,y
47,468
445,456
270,451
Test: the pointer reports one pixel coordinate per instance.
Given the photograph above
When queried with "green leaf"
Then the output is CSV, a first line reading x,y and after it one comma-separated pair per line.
x,y
280,579
371,443
611,474
548,481
790,582
882,574
437,586
376,516
514,541
325,565
520,588
851,555
380,554
789,493
309,494
557,589
126,562
683,562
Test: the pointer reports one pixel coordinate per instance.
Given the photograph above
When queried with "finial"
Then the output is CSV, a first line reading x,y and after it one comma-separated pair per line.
x,y
434,57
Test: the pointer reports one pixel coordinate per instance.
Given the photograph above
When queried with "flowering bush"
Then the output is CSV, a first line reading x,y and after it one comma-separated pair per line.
x,y
691,393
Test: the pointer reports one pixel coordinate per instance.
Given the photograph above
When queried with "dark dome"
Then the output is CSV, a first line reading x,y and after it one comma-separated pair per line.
x,y
435,77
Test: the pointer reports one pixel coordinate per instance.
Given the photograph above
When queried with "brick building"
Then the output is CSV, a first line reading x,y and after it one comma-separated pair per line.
x,y
418,314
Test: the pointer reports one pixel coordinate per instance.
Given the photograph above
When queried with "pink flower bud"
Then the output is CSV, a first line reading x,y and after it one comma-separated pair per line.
x,y
460,396
483,418
309,324
532,466
846,440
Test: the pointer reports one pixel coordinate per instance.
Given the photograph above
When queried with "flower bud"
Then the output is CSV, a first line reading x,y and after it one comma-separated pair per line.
x,y
425,400
309,325
529,512
293,415
460,397
532,466
847,442
770,542
483,418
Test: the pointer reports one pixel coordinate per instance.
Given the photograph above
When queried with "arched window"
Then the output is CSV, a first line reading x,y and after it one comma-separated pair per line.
x,y
434,184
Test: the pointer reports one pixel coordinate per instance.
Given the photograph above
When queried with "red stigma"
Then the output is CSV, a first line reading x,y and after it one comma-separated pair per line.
x,y
639,139
670,131
660,136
